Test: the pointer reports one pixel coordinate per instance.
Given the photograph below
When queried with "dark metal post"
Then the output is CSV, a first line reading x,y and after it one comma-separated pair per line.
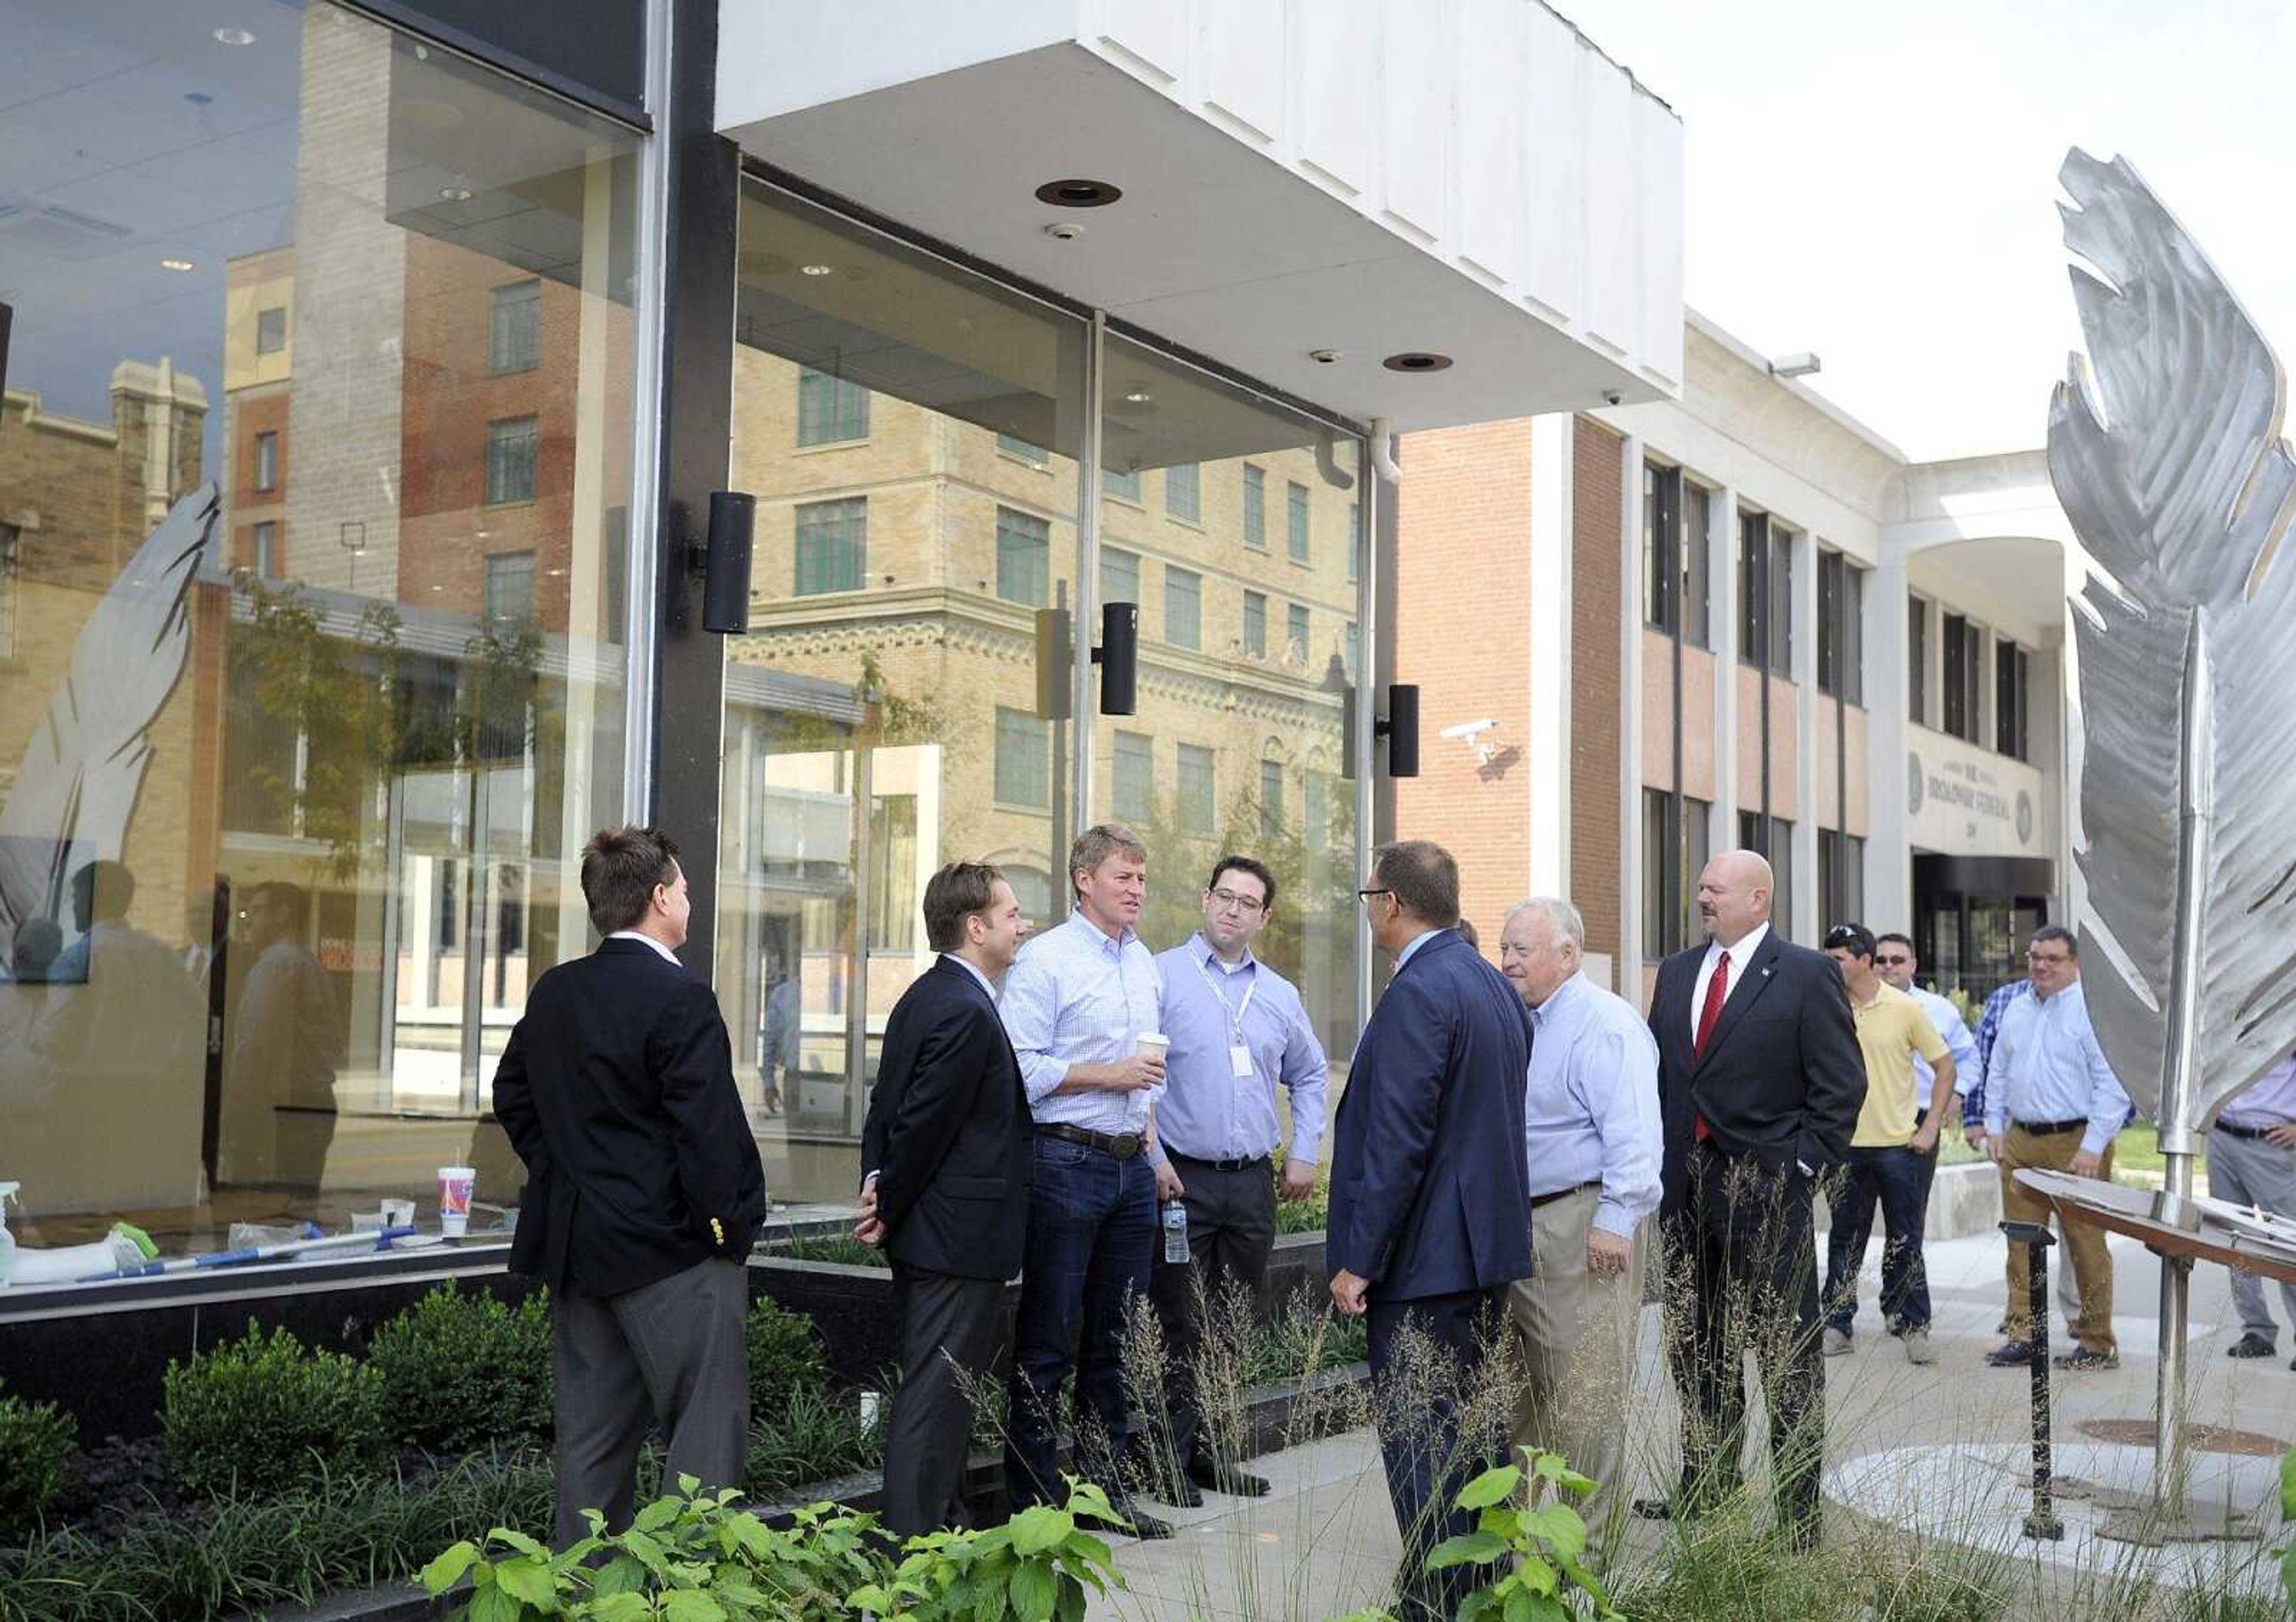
x,y
2037,1239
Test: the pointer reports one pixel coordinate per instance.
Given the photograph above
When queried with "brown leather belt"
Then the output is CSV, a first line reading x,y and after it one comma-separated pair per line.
x,y
1122,1145
1537,1200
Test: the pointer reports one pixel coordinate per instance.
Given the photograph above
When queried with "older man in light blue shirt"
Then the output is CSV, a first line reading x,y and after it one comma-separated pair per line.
x,y
1238,1031
1591,1142
2052,1101
1076,1005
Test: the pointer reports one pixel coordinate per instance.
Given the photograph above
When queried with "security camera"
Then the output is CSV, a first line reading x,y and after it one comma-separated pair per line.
x,y
1611,397
1467,731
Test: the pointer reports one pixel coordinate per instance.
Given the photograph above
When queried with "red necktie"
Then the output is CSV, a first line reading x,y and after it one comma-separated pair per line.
x,y
1717,993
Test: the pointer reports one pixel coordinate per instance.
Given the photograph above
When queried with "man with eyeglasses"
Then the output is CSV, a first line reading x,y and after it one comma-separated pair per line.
x,y
1238,1030
2052,1101
1895,962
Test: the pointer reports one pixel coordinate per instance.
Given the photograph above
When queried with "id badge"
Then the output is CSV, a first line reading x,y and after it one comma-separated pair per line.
x,y
1239,1062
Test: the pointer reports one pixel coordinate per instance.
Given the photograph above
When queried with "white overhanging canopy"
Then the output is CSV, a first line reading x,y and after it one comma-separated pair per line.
x,y
1378,179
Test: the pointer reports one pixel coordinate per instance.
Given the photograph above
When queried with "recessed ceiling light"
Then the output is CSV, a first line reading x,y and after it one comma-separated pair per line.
x,y
1417,361
175,264
456,194
1139,397
817,270
1079,193
199,98
234,36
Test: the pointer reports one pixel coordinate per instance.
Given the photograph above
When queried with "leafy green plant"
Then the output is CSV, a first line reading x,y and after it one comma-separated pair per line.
x,y
1035,1568
35,1444
466,1373
2288,1517
816,1434
687,1557
785,1355
1541,1535
259,1416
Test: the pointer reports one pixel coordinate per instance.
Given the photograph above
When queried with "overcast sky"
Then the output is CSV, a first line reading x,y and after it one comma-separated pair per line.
x,y
1877,182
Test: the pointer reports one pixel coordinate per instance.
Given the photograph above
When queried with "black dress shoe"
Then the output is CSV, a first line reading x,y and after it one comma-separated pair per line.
x,y
1217,1477
2251,1345
2011,1355
1147,1528
1167,1487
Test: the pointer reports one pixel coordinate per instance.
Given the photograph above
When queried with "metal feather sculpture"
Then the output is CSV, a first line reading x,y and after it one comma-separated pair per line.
x,y
2169,462
75,789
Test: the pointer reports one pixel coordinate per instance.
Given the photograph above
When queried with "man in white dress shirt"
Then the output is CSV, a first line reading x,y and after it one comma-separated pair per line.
x,y
1076,1004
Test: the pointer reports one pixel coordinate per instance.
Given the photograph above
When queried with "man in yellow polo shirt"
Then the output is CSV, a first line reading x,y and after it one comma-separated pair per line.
x,y
1886,1153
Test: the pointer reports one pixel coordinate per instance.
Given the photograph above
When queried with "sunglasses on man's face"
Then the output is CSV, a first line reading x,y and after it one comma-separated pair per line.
x,y
1892,958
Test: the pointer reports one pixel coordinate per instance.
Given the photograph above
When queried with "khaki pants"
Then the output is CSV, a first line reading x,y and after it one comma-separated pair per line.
x,y
1577,1332
2092,1264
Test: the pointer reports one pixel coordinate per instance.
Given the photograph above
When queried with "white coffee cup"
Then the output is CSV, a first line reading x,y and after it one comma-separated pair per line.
x,y
1152,1044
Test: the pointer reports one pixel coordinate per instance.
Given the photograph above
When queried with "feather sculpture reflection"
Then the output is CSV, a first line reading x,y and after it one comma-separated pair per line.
x,y
2166,452
76,787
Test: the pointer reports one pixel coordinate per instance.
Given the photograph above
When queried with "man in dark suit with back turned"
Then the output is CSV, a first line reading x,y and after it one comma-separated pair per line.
x,y
644,1190
1430,1219
1760,1080
948,1153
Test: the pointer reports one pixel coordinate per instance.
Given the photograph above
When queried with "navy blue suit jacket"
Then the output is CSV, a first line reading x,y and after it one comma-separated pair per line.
x,y
1430,1195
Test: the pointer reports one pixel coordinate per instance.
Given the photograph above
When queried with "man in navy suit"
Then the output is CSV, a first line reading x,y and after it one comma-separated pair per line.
x,y
1760,1079
1430,1218
946,1192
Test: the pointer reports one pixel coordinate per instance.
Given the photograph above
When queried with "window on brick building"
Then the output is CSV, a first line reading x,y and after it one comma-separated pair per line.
x,y
267,462
271,330
1024,771
264,551
1963,647
1183,607
1021,450
1024,557
510,459
1255,507
2012,718
514,328
1295,633
1917,661
1773,837
1132,777
1197,805
1841,628
1661,542
1183,493
1675,852
830,410
1120,575
1296,518
1121,486
510,587
1255,624
1697,546
1841,878
832,545
1271,799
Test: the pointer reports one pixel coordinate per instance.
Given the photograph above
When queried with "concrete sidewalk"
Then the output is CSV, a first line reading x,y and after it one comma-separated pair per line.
x,y
1940,1450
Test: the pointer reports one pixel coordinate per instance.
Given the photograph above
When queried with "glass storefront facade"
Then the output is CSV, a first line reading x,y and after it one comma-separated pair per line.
x,y
322,518
909,691
315,475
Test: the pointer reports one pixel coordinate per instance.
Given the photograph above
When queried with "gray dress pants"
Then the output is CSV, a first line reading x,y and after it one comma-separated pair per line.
x,y
672,1353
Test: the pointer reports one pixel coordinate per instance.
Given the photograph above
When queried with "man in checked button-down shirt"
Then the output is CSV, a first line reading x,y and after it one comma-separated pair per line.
x,y
1076,1005
1591,1139
1238,1029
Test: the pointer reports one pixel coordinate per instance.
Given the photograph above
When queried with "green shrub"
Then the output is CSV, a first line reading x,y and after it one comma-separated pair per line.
x,y
816,1434
466,1373
785,1355
265,1417
35,1444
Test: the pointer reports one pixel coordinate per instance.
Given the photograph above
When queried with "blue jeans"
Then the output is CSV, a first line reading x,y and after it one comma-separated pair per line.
x,y
1894,1179
1092,1231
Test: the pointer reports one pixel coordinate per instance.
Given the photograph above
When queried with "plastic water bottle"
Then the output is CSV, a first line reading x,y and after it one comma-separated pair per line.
x,y
1176,1234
